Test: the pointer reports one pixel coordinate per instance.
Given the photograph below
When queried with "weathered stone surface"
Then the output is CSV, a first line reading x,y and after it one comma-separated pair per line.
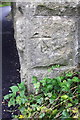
x,y
52,41
55,1
78,42
53,8
46,34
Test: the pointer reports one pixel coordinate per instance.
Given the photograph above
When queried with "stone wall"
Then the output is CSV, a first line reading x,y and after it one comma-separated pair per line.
x,y
47,34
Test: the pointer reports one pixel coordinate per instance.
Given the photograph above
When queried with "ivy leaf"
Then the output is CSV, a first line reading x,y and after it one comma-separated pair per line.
x,y
76,79
59,78
65,114
49,70
22,93
69,105
78,88
43,81
49,94
22,109
34,106
76,101
11,102
14,89
7,96
75,110
55,66
69,74
65,86
18,99
40,100
35,80
49,87
64,97
21,86
69,81
51,100
54,112
42,115
37,85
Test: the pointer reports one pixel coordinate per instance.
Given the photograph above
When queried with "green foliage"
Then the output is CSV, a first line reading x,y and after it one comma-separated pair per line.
x,y
17,95
54,98
2,4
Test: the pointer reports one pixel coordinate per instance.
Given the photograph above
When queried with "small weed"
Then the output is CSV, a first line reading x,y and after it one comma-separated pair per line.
x,y
53,67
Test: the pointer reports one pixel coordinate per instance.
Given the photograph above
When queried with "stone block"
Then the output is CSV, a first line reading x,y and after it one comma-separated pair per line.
x,y
46,34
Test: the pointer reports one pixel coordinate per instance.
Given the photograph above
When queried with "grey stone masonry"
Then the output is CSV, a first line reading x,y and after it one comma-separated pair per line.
x,y
47,34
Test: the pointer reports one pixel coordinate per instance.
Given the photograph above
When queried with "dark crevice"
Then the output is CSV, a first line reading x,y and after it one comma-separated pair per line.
x,y
20,9
46,67
10,63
